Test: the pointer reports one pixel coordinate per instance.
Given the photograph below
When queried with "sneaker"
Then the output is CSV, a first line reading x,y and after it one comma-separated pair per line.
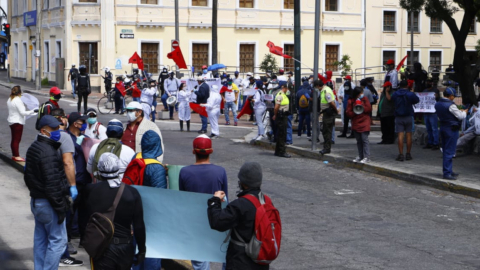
x,y
357,159
71,249
227,123
235,124
365,160
400,157
428,146
435,147
70,262
213,136
255,123
309,137
408,156
259,137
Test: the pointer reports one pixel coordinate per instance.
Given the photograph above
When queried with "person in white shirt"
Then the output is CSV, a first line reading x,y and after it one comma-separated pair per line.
x,y
259,107
213,110
281,77
16,120
171,86
95,129
391,75
183,101
230,98
146,99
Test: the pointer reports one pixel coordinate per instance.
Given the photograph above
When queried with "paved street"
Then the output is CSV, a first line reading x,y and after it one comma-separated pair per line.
x,y
333,217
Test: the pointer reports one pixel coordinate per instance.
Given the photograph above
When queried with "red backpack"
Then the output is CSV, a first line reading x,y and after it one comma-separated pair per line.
x,y
264,246
136,169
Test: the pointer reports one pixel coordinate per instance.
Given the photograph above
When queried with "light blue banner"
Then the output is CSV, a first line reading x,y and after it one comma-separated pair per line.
x,y
177,226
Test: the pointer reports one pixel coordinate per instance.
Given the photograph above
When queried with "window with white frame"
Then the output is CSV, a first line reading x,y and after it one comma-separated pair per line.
x,y
331,5
87,1
200,3
25,53
473,29
59,49
34,5
435,25
416,21
14,8
246,3
150,57
200,55
149,2
25,5
331,56
46,4
387,55
247,58
58,3
415,57
288,4
288,64
435,58
46,53
389,21
16,57
89,56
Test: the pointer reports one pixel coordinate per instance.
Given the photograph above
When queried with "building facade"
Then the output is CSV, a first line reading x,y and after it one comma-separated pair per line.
x,y
100,33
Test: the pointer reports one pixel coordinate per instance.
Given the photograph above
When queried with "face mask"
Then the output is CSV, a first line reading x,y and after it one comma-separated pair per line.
x,y
131,116
56,97
361,96
55,135
83,127
92,121
205,71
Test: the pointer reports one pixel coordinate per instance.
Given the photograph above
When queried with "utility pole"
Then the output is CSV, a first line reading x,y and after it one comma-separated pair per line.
x,y
315,73
411,38
297,44
38,45
177,36
214,33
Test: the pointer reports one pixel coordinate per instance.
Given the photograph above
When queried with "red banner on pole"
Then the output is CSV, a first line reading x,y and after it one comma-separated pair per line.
x,y
176,55
277,50
136,59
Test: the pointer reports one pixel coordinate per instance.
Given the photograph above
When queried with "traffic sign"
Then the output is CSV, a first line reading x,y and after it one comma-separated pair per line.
x,y
130,36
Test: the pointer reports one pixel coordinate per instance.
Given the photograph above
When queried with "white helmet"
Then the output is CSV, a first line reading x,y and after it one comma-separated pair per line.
x,y
107,69
127,80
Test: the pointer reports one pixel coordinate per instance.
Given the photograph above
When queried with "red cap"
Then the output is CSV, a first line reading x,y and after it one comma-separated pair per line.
x,y
410,83
204,67
390,62
55,91
348,77
387,84
202,145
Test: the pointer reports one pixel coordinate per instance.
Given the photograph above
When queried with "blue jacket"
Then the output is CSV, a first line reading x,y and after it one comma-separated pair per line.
x,y
411,100
155,175
304,90
81,174
447,119
203,93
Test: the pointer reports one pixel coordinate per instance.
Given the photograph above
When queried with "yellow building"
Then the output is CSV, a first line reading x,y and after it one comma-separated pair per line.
x,y
99,33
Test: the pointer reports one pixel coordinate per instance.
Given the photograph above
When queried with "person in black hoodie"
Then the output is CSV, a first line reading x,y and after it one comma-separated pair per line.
x,y
238,215
46,180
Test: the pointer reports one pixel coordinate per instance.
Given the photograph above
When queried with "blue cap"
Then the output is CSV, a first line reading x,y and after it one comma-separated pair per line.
x,y
114,129
236,72
450,91
48,120
259,84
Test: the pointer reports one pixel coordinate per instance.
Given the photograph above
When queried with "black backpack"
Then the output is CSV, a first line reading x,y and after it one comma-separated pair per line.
x,y
74,74
83,81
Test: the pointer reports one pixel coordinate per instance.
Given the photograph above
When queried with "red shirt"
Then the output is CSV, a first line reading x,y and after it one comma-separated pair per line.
x,y
129,134
360,122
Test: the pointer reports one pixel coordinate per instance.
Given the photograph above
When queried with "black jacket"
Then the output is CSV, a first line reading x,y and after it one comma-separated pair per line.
x,y
203,93
82,177
238,215
45,175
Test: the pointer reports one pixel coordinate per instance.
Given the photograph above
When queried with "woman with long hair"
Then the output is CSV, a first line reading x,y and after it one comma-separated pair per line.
x,y
16,120
360,123
184,106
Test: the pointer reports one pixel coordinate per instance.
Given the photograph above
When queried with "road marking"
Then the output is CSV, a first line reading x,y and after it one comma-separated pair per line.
x,y
346,192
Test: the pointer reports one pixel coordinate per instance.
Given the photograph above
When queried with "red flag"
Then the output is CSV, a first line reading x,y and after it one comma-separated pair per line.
x,y
198,109
246,109
136,59
225,89
177,57
121,87
401,63
277,50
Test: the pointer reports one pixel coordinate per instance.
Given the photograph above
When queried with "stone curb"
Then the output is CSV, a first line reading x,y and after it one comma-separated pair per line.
x,y
38,93
167,264
455,187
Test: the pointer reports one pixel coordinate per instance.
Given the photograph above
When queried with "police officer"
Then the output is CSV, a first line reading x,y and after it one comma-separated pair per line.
x,y
450,117
328,109
281,120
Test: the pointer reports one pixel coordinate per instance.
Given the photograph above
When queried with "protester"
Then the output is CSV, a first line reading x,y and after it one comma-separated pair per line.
x,y
291,109
345,89
72,75
203,177
184,112
112,145
450,117
391,74
239,217
83,89
259,108
16,120
119,98
213,110
304,96
360,123
280,116
404,101
147,99
47,107
329,111
46,180
95,129
136,127
161,82
128,216
431,119
230,99
171,86
386,107
203,93
472,132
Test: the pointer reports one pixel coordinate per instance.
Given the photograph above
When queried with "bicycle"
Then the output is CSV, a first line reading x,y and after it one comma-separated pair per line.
x,y
106,104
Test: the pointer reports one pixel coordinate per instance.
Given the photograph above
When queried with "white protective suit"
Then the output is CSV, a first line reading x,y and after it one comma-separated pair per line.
x,y
184,105
259,107
213,108
146,99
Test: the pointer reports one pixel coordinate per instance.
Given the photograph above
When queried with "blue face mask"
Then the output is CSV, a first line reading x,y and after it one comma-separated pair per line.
x,y
361,96
84,126
92,120
205,71
55,135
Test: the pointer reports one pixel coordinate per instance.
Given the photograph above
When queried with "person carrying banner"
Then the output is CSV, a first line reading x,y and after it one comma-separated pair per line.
x,y
431,119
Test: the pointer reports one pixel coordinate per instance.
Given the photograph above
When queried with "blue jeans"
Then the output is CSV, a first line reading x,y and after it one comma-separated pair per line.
x,y
149,264
304,116
197,265
449,146
164,100
289,130
204,122
230,106
431,121
50,238
73,87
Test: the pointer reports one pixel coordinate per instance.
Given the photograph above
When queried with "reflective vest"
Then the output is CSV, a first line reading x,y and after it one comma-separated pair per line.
x,y
285,101
325,90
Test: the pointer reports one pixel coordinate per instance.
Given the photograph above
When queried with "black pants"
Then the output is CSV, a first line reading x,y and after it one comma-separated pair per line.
x,y
118,102
346,119
282,123
272,124
82,94
116,257
388,129
327,129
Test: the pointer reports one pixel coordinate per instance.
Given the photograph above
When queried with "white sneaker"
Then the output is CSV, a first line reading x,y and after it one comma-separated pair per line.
x,y
70,262
259,137
357,159
365,160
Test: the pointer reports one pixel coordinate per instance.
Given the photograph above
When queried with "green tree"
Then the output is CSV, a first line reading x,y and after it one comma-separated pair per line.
x,y
269,62
345,65
444,10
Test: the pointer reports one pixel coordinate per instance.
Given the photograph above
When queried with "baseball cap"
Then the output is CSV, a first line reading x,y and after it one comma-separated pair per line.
x,y
387,84
236,73
348,77
91,110
450,91
75,116
202,145
134,105
48,120
55,91
249,74
390,62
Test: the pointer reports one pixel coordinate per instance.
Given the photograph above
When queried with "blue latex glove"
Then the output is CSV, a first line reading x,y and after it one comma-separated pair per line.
x,y
80,140
73,192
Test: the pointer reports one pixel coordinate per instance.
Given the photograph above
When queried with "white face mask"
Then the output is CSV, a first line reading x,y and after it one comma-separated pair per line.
x,y
131,116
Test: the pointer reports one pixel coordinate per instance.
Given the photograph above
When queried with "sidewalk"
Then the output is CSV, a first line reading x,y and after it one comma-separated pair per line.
x,y
425,168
